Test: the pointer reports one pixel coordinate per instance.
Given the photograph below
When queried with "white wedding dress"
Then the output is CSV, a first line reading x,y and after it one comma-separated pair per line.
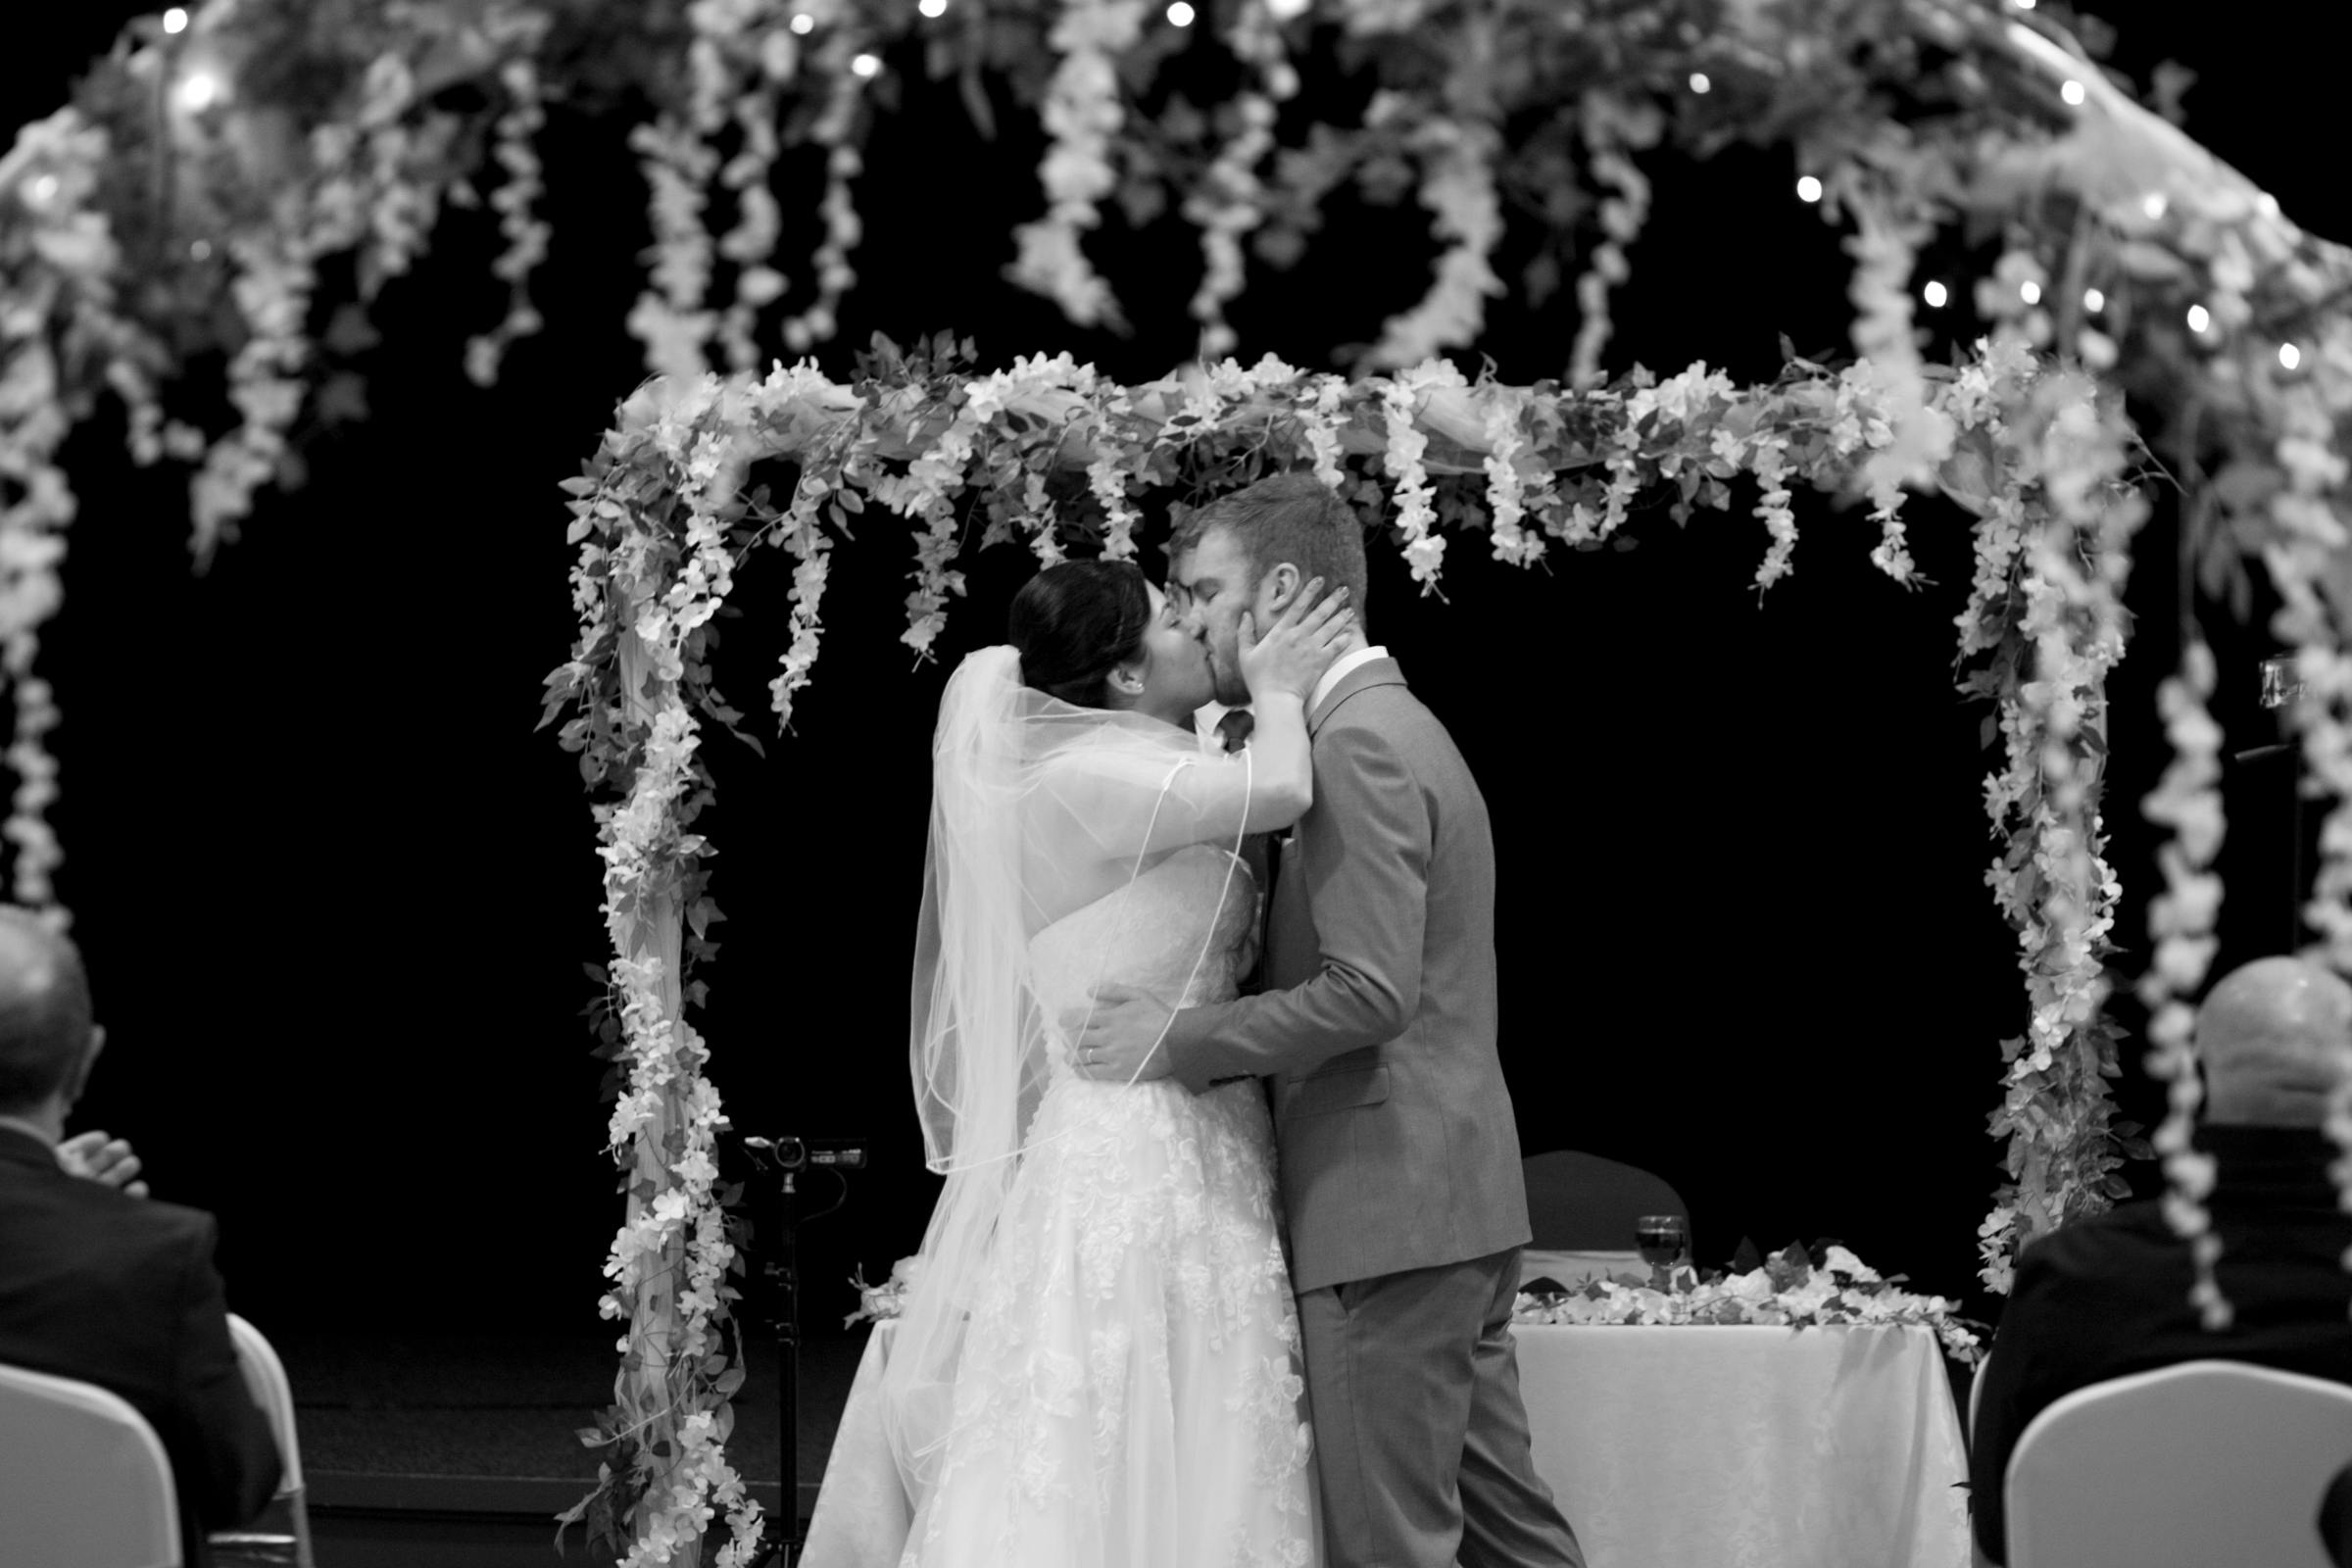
x,y
1128,1392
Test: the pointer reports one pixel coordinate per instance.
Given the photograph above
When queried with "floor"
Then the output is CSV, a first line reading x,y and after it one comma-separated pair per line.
x,y
457,1452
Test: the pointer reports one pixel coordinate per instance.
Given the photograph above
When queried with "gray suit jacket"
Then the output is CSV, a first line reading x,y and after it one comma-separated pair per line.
x,y
1397,1141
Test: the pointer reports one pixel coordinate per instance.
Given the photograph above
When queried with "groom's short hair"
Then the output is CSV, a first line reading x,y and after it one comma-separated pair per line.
x,y
1292,517
45,1011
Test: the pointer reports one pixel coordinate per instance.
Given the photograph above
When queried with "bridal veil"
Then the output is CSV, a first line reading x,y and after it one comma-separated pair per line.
x,y
1038,808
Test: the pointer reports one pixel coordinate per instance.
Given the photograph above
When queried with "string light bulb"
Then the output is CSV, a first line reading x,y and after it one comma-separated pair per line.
x,y
1934,294
932,8
2072,91
2030,291
200,90
867,65
43,188
1701,83
803,23
2093,301
1285,9
1180,14
2153,204
2199,319
2023,5
1808,189
2289,355
175,20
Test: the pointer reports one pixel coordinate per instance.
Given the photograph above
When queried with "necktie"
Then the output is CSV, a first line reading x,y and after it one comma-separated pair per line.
x,y
1233,729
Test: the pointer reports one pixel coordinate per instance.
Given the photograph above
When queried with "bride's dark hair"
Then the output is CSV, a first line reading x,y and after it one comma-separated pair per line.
x,y
1075,622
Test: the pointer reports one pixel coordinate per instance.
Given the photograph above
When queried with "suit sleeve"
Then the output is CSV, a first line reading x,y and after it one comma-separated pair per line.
x,y
1367,866
223,1456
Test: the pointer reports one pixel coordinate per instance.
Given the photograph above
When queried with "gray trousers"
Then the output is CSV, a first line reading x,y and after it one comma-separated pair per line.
x,y
1421,1447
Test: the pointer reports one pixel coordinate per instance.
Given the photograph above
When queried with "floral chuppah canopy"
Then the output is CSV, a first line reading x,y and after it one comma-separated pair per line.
x,y
208,169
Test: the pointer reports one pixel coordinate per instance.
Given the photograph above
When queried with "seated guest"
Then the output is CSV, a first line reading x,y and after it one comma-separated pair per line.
x,y
2108,1296
97,1284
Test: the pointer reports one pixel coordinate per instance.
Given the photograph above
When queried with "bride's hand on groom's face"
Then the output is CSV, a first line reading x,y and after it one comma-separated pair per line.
x,y
1118,1039
1292,654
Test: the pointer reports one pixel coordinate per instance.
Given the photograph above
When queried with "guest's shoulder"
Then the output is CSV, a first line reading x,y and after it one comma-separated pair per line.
x,y
2123,1245
99,1217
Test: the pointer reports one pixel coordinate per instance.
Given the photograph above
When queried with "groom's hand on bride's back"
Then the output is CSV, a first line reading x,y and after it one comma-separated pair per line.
x,y
1118,1039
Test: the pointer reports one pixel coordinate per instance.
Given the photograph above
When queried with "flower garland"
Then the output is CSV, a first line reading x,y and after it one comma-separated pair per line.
x,y
2182,918
670,318
2049,576
1082,115
835,131
1792,1289
517,203
1457,188
647,594
1611,127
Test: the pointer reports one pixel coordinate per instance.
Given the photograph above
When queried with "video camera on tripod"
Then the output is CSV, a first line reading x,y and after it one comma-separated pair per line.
x,y
789,1156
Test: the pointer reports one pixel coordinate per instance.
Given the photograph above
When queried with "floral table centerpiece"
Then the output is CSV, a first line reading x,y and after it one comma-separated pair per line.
x,y
1829,1286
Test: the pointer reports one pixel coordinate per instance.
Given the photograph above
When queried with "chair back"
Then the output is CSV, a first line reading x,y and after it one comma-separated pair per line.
x,y
265,1380
283,1535
2190,1466
1579,1202
84,1482
1976,1392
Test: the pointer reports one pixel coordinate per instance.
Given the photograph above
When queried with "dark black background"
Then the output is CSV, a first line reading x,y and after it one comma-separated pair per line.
x,y
335,893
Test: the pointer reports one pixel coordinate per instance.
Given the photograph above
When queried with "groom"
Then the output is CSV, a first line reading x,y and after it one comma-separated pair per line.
x,y
1399,1160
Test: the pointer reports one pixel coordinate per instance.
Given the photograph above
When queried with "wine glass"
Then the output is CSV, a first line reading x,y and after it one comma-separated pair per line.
x,y
1664,1241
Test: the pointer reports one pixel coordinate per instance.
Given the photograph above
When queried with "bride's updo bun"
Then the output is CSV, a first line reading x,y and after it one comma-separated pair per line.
x,y
1075,622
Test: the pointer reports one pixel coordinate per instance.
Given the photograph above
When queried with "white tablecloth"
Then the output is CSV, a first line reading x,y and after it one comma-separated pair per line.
x,y
1667,1448
1749,1448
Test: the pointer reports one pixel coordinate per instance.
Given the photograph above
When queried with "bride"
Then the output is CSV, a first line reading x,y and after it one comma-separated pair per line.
x,y
1098,1361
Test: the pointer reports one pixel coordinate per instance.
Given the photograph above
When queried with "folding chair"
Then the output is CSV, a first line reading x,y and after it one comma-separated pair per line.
x,y
83,1479
2191,1466
283,1535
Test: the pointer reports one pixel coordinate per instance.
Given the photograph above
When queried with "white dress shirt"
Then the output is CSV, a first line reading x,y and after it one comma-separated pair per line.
x,y
1340,666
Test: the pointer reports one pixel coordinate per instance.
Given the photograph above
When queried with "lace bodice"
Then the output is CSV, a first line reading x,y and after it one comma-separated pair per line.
x,y
1185,930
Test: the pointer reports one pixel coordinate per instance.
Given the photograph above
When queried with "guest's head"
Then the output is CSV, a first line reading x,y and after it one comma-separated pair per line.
x,y
1098,634
1250,551
47,1040
2273,1038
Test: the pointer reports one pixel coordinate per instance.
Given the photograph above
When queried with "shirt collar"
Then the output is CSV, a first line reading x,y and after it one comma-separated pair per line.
x,y
1339,670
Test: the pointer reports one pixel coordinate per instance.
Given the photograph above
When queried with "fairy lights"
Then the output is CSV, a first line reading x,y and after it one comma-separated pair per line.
x,y
1808,189
175,20
803,23
2030,291
2289,355
1936,295
2073,93
867,65
200,90
1700,82
2199,319
1180,14
932,8
2093,301
2153,204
